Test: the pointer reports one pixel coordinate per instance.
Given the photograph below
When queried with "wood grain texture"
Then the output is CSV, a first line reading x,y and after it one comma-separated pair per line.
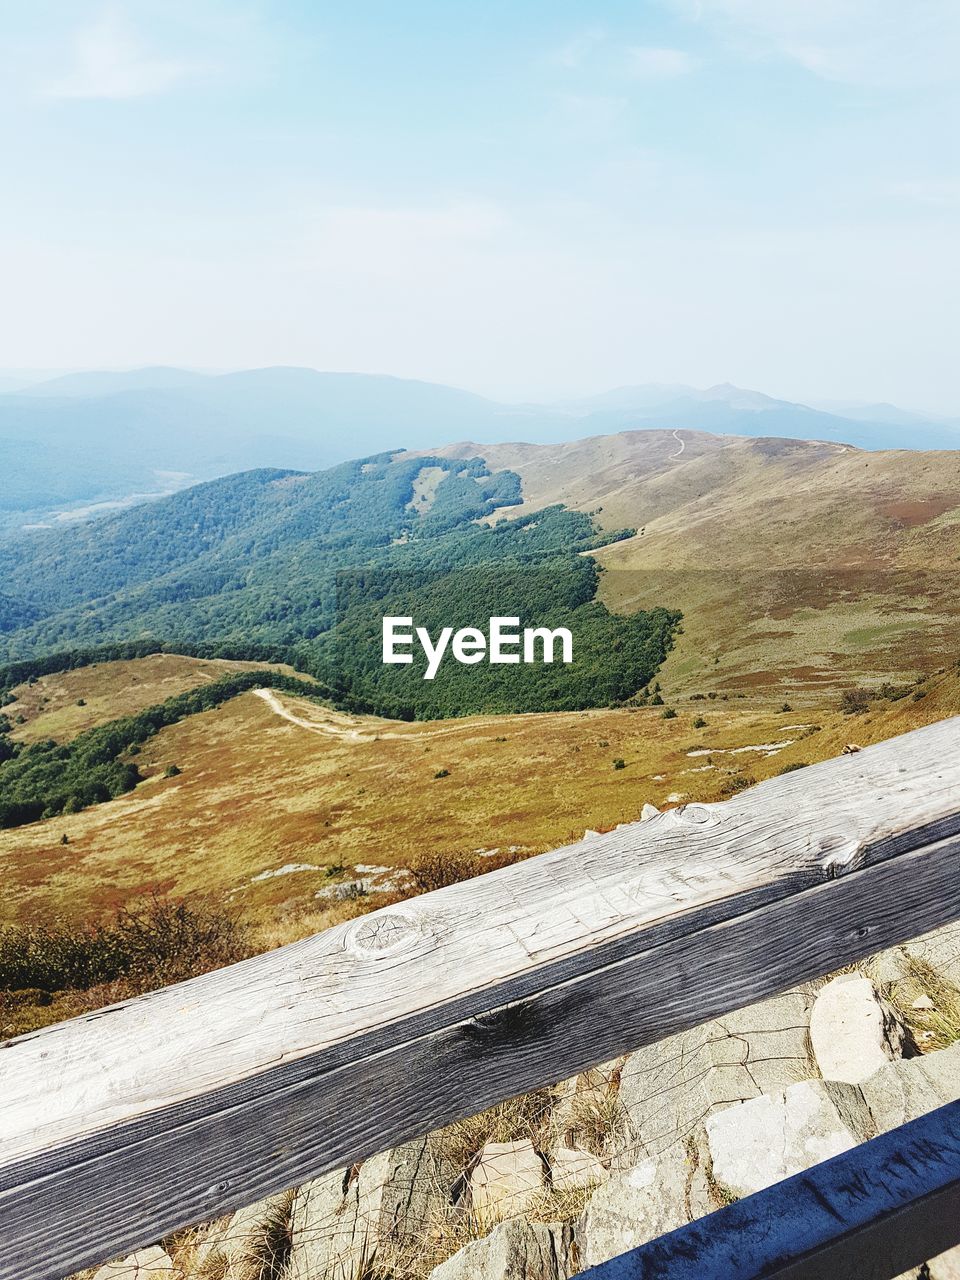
x,y
122,1125
870,1214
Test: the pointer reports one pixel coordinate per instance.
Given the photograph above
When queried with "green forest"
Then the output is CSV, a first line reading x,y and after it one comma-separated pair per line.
x,y
300,568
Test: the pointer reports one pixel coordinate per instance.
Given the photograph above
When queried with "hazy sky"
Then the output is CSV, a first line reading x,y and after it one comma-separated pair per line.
x,y
523,197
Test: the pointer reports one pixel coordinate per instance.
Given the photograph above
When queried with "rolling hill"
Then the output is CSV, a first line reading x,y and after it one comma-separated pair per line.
x,y
278,800
72,442
795,564
311,563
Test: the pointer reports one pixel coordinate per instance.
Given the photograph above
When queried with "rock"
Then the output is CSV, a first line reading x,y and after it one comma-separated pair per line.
x,y
138,1266
345,891
923,1002
940,950
515,1250
574,1170
667,1089
887,968
507,1179
636,1206
242,1231
777,1135
903,1090
946,1266
381,1208
288,869
648,811
852,1031
850,749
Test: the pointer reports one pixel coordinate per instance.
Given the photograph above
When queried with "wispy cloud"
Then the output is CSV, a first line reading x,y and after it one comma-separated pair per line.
x,y
575,51
935,193
660,64
589,115
111,61
879,43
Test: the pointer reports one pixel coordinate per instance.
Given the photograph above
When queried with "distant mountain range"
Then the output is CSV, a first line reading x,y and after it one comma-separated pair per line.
x,y
81,440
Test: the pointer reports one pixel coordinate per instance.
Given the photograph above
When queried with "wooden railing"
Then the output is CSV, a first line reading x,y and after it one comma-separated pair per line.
x,y
121,1126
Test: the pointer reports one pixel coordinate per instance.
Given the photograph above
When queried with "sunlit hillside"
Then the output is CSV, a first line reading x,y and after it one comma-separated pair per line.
x,y
798,565
278,800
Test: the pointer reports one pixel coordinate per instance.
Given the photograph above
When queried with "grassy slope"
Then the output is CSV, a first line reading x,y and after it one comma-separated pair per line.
x,y
112,689
258,792
799,565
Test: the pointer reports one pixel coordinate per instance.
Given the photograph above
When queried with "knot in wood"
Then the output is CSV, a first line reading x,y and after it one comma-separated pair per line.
x,y
696,815
840,850
385,933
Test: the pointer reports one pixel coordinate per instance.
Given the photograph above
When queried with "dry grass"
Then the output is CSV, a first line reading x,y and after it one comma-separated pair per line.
x,y
801,565
258,793
62,705
934,1028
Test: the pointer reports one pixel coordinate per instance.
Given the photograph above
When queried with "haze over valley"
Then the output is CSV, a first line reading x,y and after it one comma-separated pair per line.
x,y
78,445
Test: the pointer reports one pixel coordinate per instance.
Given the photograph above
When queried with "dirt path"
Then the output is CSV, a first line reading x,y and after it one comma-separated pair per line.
x,y
338,725
681,443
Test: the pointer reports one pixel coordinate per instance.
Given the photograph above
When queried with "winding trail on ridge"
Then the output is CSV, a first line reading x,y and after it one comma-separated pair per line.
x,y
338,725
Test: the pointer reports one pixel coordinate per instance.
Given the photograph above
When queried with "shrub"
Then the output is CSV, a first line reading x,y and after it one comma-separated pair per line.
x,y
854,702
172,771
738,782
442,773
699,723
149,945
437,870
619,763
892,692
668,714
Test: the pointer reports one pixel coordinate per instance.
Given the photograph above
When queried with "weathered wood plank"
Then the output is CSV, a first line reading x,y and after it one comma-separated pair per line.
x,y
118,1127
870,1214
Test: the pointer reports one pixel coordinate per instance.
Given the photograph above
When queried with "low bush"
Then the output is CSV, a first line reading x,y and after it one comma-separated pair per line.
x,y
149,945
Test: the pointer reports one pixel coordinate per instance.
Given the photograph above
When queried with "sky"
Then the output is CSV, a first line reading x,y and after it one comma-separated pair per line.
x,y
528,198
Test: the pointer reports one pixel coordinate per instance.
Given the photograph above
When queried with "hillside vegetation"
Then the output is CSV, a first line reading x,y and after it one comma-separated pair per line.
x,y
799,566
307,565
47,778
261,786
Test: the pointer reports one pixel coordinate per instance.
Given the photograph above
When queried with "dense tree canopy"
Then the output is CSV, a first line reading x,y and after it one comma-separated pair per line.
x,y
285,566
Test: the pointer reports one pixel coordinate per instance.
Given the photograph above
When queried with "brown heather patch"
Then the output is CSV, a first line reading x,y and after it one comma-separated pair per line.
x,y
908,514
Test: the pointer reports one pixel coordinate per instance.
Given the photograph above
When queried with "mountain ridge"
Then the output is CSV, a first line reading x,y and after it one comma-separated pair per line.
x,y
135,430
794,562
